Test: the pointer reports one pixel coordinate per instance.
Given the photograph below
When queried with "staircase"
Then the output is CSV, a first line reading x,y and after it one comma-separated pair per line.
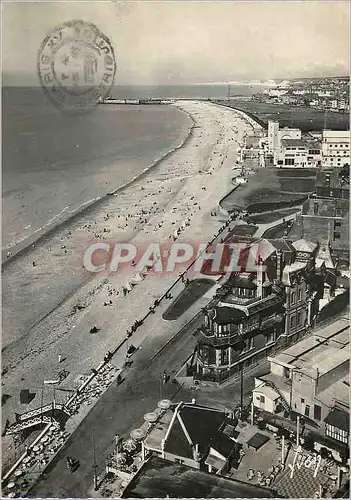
x,y
16,428
57,414
284,402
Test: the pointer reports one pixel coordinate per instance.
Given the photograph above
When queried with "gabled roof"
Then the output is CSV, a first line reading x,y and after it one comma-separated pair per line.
x,y
304,246
242,282
199,424
290,269
282,245
324,256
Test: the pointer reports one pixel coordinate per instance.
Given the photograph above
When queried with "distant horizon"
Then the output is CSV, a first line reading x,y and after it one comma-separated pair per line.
x,y
238,82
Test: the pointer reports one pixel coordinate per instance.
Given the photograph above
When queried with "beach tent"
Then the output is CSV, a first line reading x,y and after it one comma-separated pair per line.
x,y
137,278
26,397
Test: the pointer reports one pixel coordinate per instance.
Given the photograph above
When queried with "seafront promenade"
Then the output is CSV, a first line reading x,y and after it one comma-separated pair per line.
x,y
186,185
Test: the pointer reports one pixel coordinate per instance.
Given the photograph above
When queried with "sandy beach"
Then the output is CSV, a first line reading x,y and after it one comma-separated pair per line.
x,y
185,186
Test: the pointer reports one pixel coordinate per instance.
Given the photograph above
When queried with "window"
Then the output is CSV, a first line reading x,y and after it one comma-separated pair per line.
x,y
249,344
307,411
299,318
248,362
300,293
293,297
262,399
289,161
337,223
270,338
336,236
337,434
317,415
302,400
292,322
206,320
224,356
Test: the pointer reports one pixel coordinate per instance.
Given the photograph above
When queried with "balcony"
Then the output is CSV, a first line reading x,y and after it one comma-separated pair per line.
x,y
233,300
205,336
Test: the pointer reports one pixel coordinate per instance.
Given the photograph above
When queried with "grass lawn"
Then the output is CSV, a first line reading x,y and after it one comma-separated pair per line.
x,y
271,189
242,230
271,216
305,118
297,185
196,289
296,172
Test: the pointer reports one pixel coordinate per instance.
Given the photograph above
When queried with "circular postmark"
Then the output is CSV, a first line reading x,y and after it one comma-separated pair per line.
x,y
76,66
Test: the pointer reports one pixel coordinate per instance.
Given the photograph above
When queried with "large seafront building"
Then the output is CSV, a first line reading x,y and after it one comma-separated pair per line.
x,y
335,148
254,314
298,153
276,135
289,149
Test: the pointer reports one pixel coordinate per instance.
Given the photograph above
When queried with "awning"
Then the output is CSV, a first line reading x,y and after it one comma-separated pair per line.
x,y
215,462
257,441
339,419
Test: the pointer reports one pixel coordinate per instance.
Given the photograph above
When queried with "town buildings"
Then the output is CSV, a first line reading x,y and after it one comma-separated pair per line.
x,y
329,94
311,379
335,148
298,153
254,314
324,217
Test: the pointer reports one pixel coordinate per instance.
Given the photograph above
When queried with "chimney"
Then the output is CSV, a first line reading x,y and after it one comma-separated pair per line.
x,y
259,278
279,262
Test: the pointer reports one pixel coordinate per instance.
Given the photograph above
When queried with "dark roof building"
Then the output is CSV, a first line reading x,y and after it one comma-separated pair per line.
x,y
254,312
194,435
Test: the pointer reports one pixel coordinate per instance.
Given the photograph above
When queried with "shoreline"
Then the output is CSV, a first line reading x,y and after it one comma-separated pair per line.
x,y
32,357
24,247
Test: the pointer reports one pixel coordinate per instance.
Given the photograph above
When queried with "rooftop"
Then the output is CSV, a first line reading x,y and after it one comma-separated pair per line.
x,y
160,478
226,315
338,391
332,134
339,419
186,425
316,351
283,245
293,143
331,179
304,246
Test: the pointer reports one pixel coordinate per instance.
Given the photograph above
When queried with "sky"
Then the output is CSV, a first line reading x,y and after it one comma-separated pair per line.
x,y
180,42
